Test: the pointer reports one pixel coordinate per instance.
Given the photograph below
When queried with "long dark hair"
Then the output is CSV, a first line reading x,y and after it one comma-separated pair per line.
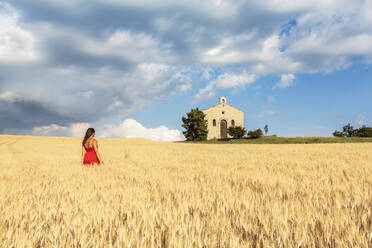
x,y
88,133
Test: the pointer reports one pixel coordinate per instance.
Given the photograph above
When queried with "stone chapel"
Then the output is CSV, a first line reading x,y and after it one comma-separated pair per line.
x,y
220,117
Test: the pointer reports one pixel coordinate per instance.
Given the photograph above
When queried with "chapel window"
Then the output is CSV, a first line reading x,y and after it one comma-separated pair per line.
x,y
214,123
232,123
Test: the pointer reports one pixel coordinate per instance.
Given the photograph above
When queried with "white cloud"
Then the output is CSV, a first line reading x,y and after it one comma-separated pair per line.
x,y
8,96
207,92
226,80
206,74
16,43
116,104
285,81
135,46
328,40
261,55
78,129
229,49
326,37
73,130
50,130
132,128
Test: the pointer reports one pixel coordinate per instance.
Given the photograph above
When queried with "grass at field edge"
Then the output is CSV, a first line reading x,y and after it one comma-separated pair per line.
x,y
285,140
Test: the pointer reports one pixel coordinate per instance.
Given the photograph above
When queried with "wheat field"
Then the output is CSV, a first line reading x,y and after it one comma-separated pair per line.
x,y
159,194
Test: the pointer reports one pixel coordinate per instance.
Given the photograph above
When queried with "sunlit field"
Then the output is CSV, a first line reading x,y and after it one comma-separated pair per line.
x,y
158,194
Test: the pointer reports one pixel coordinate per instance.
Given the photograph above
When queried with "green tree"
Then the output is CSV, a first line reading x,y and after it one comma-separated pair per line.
x,y
195,125
237,132
255,133
348,130
266,128
364,131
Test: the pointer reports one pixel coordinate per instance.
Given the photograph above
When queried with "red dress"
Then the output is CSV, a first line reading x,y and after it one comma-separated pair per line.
x,y
90,156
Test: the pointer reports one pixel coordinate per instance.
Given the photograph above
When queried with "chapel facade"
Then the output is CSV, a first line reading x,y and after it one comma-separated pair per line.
x,y
220,117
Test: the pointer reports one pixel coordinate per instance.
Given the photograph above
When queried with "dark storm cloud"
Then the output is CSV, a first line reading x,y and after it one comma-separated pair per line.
x,y
64,51
20,114
98,16
92,18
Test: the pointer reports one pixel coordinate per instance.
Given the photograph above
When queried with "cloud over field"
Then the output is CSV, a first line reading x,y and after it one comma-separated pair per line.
x,y
127,129
73,130
132,128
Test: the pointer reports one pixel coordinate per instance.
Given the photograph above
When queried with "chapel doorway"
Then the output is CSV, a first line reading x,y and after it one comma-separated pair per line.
x,y
223,129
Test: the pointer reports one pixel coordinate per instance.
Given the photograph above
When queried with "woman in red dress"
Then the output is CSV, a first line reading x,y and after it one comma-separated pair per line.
x,y
90,146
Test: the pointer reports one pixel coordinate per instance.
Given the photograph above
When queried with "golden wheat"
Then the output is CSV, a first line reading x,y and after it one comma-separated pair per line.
x,y
157,194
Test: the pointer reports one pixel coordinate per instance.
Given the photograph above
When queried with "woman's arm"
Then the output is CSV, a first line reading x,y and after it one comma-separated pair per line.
x,y
95,146
82,154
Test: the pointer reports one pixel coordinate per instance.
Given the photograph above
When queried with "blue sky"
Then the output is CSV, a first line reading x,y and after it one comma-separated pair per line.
x,y
133,68
314,105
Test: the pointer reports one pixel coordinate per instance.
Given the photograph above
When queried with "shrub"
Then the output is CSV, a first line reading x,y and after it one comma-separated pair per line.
x,y
236,132
338,134
254,134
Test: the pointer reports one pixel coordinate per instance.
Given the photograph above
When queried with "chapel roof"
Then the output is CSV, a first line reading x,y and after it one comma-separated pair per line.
x,y
223,101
